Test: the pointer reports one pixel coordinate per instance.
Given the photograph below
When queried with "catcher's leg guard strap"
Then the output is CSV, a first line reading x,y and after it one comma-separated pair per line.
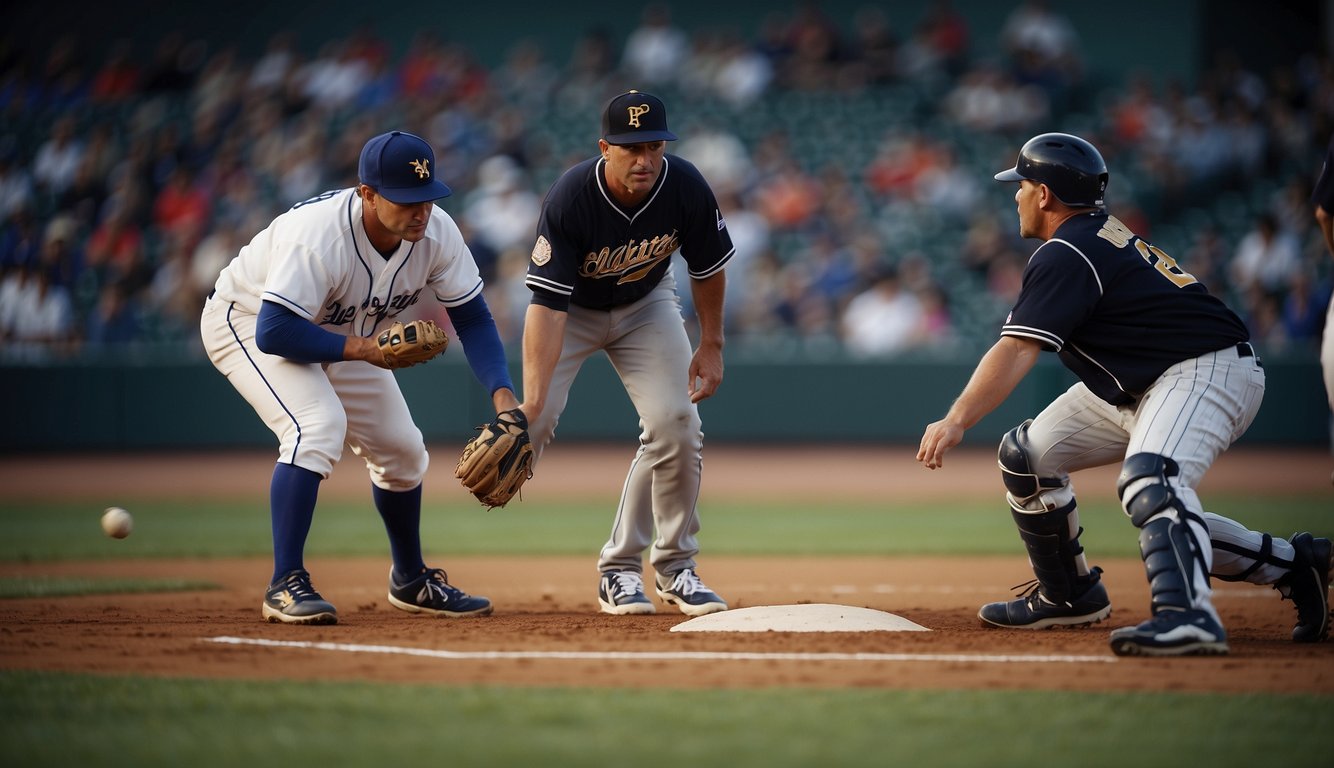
x,y
1053,549
1258,559
1171,561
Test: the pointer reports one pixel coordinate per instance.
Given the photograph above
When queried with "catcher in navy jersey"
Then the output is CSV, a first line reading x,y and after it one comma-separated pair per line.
x,y
1168,381
602,279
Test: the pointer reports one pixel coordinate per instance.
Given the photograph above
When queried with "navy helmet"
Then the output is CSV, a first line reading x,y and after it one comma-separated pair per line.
x,y
1072,168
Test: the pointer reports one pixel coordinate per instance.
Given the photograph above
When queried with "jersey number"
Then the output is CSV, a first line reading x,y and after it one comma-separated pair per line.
x,y
1118,234
1166,265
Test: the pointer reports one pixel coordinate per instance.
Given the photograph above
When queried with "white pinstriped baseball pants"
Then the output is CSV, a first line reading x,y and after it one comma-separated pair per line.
x,y
1191,414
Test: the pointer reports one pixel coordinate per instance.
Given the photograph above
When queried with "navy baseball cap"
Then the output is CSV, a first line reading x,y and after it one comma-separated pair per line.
x,y
401,168
635,118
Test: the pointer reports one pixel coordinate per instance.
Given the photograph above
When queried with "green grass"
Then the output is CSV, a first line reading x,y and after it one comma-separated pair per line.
x,y
58,719
65,587
65,531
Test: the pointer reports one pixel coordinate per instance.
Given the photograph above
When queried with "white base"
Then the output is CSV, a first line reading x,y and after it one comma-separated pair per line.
x,y
816,617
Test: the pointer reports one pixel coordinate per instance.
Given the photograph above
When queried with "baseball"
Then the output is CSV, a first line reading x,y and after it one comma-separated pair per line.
x,y
117,523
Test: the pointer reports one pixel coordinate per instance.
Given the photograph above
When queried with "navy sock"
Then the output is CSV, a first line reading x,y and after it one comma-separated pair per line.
x,y
292,495
402,512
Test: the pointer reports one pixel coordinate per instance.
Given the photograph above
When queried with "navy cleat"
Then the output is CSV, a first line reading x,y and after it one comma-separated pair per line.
x,y
1033,610
292,600
1190,632
622,592
1307,586
687,592
432,593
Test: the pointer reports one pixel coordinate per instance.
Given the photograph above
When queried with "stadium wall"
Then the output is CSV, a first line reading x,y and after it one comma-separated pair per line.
x,y
189,406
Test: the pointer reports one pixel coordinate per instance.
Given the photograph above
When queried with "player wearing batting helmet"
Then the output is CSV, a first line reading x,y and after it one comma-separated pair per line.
x,y
1167,381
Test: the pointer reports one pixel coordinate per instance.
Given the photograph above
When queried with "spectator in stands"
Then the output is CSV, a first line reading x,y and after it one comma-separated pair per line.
x,y
20,239
16,189
875,49
1265,257
43,316
502,209
182,207
1044,49
57,160
656,49
743,73
117,79
115,319
882,320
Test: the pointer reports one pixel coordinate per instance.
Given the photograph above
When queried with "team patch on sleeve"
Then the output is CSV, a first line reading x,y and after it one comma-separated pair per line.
x,y
541,251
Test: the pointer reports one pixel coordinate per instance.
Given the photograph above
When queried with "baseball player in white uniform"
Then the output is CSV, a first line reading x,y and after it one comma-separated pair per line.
x,y
292,323
1168,380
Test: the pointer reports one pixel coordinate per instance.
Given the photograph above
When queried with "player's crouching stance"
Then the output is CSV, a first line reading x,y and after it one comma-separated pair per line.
x,y
295,324
1168,381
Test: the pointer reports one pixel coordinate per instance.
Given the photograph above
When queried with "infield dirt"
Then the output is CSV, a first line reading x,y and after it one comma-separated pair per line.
x,y
546,629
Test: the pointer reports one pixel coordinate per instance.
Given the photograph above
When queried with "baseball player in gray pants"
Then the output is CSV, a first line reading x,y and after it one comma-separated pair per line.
x,y
602,278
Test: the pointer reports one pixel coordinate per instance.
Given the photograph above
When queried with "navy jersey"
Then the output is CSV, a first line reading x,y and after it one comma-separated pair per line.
x,y
1118,310
594,253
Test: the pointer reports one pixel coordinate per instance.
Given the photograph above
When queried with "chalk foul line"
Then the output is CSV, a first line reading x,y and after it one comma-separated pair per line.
x,y
394,650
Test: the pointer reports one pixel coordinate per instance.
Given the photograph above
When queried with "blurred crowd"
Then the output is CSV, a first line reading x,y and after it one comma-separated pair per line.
x,y
852,158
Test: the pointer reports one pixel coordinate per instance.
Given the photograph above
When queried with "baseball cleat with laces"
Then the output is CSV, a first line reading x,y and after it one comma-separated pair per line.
x,y
1032,610
687,592
621,593
432,593
292,600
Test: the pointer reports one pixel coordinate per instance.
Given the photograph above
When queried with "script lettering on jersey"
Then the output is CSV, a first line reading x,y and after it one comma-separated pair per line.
x,y
336,314
394,306
1119,234
629,262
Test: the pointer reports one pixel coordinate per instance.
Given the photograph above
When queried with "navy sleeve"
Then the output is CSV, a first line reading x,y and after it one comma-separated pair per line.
x,y
1059,290
280,331
481,343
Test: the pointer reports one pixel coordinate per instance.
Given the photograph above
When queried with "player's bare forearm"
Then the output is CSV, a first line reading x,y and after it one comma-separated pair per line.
x,y
503,399
706,365
708,295
362,348
543,337
997,374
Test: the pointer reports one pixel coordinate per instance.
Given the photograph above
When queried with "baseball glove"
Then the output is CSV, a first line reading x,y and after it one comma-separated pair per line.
x,y
405,344
496,463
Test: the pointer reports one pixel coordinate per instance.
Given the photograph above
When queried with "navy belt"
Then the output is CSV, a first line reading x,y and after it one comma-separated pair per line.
x,y
1244,349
